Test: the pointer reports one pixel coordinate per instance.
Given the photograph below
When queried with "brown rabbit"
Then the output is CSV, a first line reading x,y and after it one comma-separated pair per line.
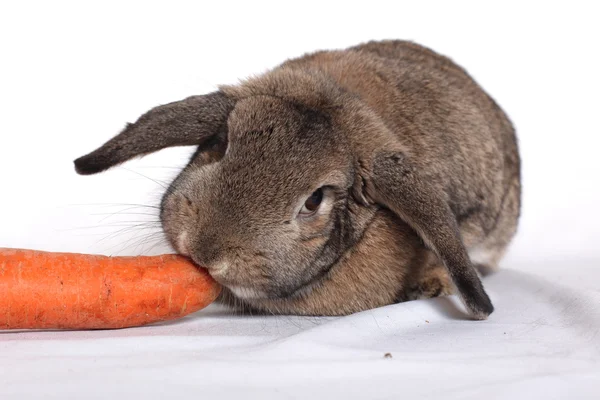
x,y
339,181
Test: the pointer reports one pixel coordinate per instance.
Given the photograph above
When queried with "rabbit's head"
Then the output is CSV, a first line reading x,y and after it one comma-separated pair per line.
x,y
266,203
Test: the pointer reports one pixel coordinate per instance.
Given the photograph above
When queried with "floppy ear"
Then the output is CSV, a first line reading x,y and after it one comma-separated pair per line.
x,y
397,184
191,121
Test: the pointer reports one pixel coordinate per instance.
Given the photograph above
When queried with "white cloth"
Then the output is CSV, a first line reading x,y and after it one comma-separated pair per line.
x,y
542,341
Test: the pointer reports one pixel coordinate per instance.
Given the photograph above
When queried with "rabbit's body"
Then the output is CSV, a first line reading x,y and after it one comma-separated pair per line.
x,y
412,167
468,141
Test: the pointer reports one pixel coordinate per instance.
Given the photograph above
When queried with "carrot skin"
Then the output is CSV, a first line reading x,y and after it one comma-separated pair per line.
x,y
47,290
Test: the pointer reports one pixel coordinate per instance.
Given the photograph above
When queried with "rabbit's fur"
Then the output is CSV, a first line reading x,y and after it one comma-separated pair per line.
x,y
420,170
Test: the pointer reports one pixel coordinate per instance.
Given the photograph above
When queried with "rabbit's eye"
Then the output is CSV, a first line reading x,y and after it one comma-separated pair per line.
x,y
311,205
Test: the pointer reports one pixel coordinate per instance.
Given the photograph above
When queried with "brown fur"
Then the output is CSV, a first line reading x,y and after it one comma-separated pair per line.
x,y
420,170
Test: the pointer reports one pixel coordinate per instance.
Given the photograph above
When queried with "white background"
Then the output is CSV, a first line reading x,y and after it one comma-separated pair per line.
x,y
72,74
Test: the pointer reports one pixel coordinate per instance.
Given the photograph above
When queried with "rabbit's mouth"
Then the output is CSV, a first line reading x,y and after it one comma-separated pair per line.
x,y
274,291
247,293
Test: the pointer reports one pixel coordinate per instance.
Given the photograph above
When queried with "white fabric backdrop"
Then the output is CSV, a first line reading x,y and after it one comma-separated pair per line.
x,y
72,74
542,342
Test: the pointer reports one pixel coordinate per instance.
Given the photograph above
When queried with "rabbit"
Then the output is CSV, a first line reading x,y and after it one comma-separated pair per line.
x,y
339,181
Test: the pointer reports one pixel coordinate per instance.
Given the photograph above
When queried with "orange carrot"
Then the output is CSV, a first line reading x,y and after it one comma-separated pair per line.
x,y
45,290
